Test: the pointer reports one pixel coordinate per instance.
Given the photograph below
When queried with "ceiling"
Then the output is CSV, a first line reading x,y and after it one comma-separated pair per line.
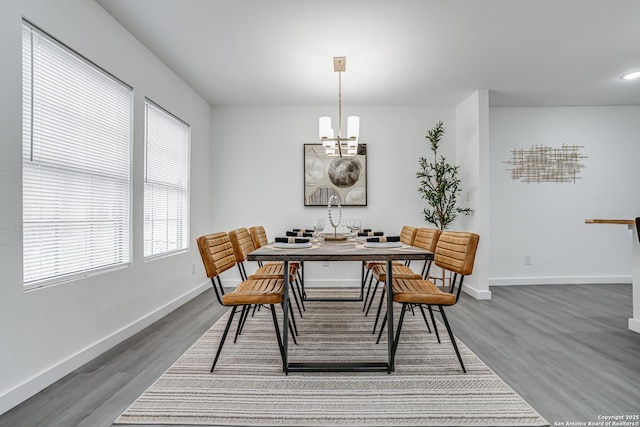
x,y
402,52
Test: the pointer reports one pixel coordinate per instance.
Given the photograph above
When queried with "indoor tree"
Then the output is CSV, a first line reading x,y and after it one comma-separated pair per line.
x,y
439,184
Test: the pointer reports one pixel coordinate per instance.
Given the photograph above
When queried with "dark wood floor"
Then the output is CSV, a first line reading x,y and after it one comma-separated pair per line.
x,y
565,349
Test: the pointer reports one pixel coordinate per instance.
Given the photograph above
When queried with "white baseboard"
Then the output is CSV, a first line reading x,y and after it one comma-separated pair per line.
x,y
560,280
634,325
44,379
476,293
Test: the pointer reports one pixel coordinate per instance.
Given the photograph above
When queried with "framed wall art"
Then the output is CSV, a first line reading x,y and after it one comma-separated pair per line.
x,y
325,176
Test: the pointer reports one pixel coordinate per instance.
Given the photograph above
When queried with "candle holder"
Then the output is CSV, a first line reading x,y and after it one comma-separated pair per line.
x,y
335,199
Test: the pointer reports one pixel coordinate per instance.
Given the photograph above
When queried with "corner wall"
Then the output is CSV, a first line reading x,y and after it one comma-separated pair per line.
x,y
472,155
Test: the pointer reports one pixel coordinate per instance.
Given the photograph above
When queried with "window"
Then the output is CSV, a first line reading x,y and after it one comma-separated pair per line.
x,y
75,165
166,182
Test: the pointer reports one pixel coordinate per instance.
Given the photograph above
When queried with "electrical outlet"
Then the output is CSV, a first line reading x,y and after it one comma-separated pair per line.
x,y
193,268
325,264
527,260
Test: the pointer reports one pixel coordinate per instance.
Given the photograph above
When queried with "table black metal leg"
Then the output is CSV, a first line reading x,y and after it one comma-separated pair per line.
x,y
390,336
285,319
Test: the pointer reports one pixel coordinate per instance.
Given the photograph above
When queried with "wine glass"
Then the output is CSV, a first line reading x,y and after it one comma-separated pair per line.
x,y
348,223
355,227
318,226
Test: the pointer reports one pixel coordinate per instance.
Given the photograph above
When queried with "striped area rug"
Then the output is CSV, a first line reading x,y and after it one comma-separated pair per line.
x,y
248,388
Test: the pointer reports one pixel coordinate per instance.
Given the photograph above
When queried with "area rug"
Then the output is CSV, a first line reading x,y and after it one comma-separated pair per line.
x,y
248,387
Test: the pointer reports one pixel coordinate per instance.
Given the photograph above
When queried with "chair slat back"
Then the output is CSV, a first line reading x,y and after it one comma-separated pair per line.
x,y
408,234
427,238
259,236
456,251
242,243
216,252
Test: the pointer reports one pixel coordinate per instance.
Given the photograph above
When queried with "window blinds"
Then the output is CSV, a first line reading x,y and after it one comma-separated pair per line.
x,y
76,163
166,182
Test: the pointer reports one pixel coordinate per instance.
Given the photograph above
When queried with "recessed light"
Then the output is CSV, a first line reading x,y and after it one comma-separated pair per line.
x,y
631,76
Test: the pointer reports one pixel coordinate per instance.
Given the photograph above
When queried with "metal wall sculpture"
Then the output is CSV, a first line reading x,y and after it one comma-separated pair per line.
x,y
541,163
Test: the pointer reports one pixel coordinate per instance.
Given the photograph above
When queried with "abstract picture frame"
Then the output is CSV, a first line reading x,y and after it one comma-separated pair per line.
x,y
325,176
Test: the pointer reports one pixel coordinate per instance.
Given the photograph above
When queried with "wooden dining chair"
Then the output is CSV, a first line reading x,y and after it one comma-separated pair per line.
x,y
455,252
425,238
407,235
243,245
218,256
260,239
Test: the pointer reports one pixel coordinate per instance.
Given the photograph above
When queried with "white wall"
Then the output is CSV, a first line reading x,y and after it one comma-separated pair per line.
x,y
46,333
257,170
256,158
546,220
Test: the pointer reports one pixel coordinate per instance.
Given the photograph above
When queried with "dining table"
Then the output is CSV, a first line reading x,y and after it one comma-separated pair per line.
x,y
340,250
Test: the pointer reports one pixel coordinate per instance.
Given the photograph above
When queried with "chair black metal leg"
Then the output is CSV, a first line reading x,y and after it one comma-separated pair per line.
x,y
304,308
224,336
295,326
299,289
384,323
218,289
435,325
373,295
375,325
240,322
453,339
277,328
363,280
295,297
364,305
293,333
395,341
424,316
247,315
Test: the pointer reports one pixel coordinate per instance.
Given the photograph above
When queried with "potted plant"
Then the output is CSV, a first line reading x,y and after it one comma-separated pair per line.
x,y
439,184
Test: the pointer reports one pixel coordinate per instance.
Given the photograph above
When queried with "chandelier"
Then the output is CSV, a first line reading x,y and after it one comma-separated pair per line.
x,y
340,145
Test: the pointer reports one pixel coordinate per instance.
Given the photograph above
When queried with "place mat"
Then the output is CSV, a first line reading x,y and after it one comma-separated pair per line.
x,y
282,245
382,244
